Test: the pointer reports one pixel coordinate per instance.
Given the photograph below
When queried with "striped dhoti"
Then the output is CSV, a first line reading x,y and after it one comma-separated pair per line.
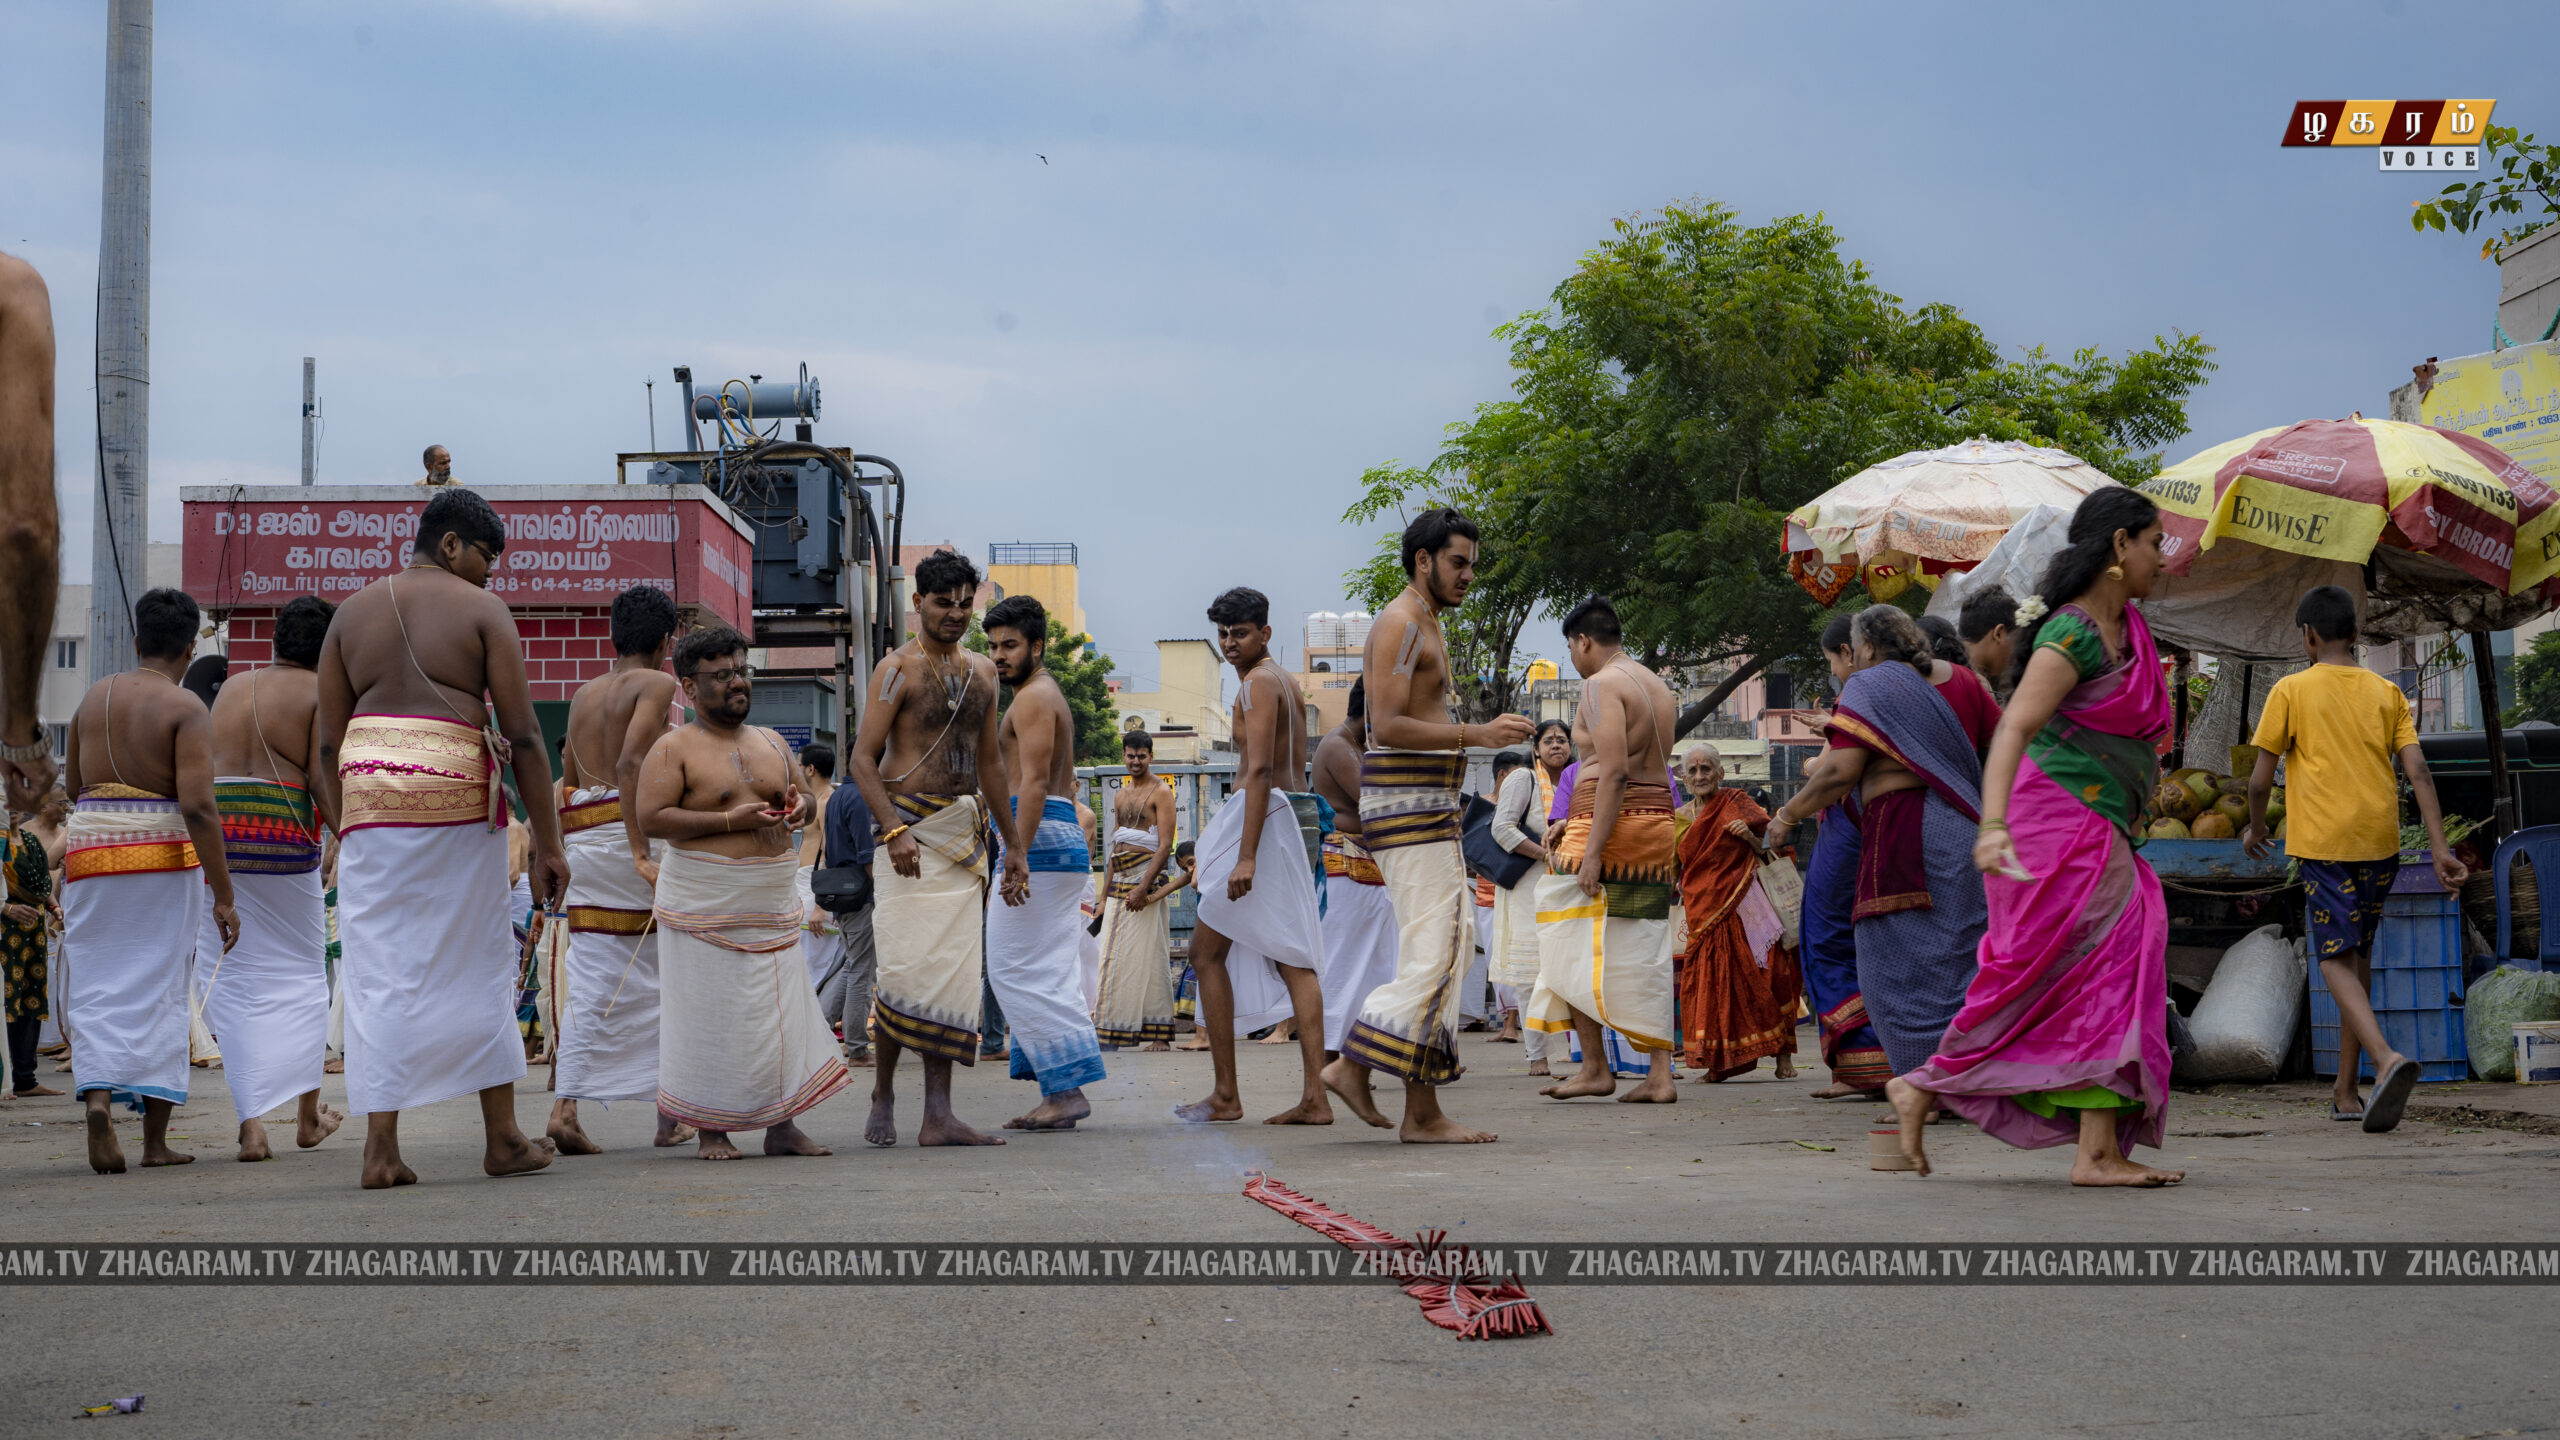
x,y
1409,822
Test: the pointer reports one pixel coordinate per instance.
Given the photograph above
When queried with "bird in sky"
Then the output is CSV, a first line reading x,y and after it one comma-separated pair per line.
x,y
1043,158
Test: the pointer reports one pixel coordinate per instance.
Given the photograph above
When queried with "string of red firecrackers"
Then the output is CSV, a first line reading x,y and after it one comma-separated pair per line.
x,y
1475,1309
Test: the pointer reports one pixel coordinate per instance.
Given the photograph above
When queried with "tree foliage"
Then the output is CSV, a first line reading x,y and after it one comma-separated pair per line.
x,y
2538,681
1082,672
2528,173
1696,379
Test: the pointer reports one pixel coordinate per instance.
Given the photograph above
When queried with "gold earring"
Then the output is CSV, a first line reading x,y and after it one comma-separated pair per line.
x,y
2115,572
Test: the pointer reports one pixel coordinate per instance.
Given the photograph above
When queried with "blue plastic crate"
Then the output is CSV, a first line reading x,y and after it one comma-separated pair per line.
x,y
2417,990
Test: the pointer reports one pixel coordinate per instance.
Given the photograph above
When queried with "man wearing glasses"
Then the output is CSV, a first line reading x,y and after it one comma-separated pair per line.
x,y
741,1043
427,955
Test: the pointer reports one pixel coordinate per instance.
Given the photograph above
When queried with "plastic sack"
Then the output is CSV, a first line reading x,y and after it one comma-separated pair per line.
x,y
2244,1025
2499,1001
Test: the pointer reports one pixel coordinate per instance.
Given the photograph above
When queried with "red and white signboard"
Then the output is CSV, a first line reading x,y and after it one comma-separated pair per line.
x,y
567,545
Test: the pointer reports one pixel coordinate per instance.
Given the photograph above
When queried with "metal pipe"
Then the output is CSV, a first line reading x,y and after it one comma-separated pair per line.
x,y
2503,801
124,342
310,455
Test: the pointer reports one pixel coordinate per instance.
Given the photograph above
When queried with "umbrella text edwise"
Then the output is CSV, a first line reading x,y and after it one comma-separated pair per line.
x,y
2308,529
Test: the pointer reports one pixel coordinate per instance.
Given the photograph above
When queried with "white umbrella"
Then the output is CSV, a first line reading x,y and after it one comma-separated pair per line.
x,y
1928,513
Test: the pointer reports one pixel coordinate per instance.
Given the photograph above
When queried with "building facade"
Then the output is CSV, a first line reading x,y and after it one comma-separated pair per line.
x,y
1044,570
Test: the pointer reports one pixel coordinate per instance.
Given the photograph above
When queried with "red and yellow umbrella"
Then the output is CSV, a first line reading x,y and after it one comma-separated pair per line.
x,y
2335,489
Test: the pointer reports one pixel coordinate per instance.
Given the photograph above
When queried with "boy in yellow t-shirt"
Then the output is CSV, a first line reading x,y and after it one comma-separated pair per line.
x,y
2340,724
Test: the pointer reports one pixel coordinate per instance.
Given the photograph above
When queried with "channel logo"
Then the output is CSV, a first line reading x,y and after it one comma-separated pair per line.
x,y
2421,135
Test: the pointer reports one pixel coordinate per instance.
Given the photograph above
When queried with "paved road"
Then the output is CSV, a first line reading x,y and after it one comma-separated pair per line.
x,y
1722,1165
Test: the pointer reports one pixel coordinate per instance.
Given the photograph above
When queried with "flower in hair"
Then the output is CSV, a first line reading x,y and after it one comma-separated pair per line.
x,y
2029,611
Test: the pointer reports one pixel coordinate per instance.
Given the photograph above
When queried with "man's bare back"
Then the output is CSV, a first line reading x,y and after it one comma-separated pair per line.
x,y
128,729
618,714
456,631
1650,713
266,724
1337,773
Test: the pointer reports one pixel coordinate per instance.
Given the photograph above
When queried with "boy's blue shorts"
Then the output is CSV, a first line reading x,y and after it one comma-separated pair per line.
x,y
2343,903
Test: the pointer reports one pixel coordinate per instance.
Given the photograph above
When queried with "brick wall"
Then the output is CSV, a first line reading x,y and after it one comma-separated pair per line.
x,y
560,651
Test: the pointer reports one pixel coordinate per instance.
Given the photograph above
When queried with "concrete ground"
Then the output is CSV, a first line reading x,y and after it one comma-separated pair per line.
x,y
2477,1163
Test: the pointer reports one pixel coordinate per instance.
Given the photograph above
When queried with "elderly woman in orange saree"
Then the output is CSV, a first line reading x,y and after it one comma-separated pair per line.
x,y
1737,980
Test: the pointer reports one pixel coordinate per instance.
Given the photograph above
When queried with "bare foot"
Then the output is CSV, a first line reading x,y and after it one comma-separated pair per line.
x,y
1311,1111
161,1154
34,1091
1786,1067
789,1139
1443,1131
2120,1171
952,1130
1653,1090
882,1128
1187,1045
106,1155
672,1132
716,1146
253,1141
383,1167
1539,1068
1911,1106
1276,1038
523,1157
857,1062
1839,1090
1054,1112
1210,1110
334,1067
318,1126
566,1134
1158,1047
1349,1079
1580,1085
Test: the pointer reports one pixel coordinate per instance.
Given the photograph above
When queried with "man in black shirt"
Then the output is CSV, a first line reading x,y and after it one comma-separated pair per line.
x,y
847,998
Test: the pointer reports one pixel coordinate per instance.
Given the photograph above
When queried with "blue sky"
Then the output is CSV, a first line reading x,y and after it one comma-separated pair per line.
x,y
1265,251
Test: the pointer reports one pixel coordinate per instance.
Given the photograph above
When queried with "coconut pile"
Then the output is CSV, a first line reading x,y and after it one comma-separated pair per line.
x,y
2197,804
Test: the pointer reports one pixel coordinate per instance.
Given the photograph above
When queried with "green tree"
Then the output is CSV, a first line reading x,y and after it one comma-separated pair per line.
x,y
1694,381
2538,681
1083,673
2528,173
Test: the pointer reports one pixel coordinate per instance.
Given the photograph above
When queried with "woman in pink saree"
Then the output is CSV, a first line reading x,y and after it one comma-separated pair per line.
x,y
2063,1034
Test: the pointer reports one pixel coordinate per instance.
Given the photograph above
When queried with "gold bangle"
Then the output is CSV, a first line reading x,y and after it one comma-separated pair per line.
x,y
1991,824
888,835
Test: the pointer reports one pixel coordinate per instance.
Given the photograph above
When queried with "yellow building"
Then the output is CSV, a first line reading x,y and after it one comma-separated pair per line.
x,y
1043,570
1186,698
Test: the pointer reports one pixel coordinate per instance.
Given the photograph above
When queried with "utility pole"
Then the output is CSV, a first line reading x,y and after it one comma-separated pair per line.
x,y
124,343
310,456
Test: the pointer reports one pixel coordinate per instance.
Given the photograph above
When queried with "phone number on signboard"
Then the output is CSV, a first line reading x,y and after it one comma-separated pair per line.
x,y
584,585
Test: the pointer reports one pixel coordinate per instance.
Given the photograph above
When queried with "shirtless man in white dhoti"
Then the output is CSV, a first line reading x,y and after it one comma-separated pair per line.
x,y
143,821
1409,806
1135,1006
1610,923
267,1001
605,996
426,951
1257,921
931,727
741,1043
1034,958
1359,921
